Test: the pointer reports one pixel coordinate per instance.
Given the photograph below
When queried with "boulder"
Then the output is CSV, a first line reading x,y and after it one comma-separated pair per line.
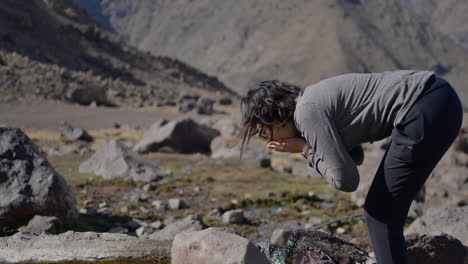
x,y
434,248
29,185
182,135
213,246
114,159
450,220
42,224
85,95
79,246
70,133
189,223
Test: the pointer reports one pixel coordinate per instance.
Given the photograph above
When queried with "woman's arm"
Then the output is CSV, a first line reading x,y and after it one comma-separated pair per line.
x,y
330,157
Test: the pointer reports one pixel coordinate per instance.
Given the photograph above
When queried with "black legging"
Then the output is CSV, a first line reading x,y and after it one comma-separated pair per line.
x,y
417,145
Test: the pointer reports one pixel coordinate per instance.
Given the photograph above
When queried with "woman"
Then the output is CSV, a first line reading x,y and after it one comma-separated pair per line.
x,y
327,121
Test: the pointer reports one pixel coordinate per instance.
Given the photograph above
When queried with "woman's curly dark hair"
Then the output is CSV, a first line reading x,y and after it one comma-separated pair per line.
x,y
267,103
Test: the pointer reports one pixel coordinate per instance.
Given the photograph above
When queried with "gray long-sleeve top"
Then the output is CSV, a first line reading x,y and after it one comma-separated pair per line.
x,y
339,113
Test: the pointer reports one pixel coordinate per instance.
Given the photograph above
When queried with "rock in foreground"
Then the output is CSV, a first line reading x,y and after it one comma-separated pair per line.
x,y
434,249
450,220
79,246
214,246
29,185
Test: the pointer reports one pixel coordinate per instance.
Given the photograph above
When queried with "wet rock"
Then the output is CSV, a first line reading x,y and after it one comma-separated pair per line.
x,y
182,135
212,246
42,224
189,223
450,220
305,247
234,216
78,246
114,159
434,248
27,180
70,133
177,203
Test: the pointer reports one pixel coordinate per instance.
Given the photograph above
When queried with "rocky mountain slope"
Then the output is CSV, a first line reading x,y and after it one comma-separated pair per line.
x,y
448,16
298,41
53,49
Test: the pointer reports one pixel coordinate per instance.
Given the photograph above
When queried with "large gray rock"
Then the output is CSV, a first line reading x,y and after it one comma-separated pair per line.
x,y
214,246
189,223
29,185
85,95
450,220
434,248
114,159
79,246
182,135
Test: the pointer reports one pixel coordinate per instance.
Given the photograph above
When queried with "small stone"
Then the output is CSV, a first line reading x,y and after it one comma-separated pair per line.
x,y
280,236
340,230
127,208
143,230
103,205
234,216
177,203
248,196
88,202
196,189
159,205
156,224
215,213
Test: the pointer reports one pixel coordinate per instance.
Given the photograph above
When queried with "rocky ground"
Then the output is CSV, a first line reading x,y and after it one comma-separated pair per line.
x,y
262,194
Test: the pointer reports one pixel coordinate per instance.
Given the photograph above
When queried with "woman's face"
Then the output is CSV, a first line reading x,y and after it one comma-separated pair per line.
x,y
286,129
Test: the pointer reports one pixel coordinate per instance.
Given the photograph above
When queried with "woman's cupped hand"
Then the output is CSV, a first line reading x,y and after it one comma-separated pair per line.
x,y
291,145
